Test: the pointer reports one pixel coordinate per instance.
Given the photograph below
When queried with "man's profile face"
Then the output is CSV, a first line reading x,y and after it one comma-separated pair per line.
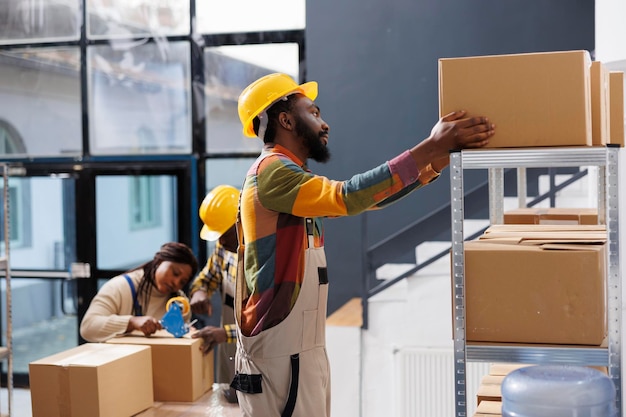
x,y
312,129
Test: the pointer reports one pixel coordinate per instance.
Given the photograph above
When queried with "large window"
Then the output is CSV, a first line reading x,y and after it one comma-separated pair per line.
x,y
123,114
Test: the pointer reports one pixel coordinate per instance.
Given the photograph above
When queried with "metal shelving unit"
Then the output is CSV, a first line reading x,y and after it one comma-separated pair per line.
x,y
496,161
6,352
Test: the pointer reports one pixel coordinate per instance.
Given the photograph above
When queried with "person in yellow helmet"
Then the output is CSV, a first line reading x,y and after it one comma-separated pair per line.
x,y
218,212
282,285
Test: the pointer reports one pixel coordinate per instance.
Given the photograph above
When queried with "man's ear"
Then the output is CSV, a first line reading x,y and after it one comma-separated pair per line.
x,y
285,121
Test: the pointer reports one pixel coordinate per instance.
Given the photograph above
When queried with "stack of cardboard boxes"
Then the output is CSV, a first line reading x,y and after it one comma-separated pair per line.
x,y
122,377
489,394
539,278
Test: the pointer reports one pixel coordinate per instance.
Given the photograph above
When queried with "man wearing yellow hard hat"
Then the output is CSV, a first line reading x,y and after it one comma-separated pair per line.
x,y
282,287
218,212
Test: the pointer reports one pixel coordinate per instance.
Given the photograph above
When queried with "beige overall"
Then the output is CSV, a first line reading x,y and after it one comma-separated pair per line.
x,y
288,363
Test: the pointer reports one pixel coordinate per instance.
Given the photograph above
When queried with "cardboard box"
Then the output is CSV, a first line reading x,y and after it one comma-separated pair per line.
x,y
181,373
599,104
489,408
616,107
535,99
566,216
94,379
492,379
490,392
503,369
545,284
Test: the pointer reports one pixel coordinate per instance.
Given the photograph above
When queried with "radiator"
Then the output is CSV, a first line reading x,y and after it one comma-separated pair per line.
x,y
425,382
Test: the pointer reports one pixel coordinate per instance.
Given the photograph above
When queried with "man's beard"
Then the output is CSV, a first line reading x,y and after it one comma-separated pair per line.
x,y
318,151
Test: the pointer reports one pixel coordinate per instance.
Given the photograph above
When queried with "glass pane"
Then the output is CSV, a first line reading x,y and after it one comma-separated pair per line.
x,y
229,171
139,99
39,21
218,16
40,112
43,310
42,223
130,18
229,69
42,230
124,238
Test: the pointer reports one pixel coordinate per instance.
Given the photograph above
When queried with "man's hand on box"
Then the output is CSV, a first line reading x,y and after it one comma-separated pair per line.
x,y
211,336
201,303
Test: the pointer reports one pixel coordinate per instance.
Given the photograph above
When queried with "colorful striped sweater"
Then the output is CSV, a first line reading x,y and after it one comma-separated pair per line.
x,y
278,193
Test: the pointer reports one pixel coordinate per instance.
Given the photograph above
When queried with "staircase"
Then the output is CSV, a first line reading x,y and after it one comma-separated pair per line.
x,y
401,364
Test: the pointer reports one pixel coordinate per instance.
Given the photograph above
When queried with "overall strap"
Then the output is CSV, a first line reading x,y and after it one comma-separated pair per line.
x,y
136,305
310,226
293,387
241,287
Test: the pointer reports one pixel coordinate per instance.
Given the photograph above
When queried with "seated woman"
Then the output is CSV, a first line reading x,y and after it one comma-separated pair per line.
x,y
136,300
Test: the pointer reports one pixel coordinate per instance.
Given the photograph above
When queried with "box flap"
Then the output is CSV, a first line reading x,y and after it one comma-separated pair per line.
x,y
90,354
581,228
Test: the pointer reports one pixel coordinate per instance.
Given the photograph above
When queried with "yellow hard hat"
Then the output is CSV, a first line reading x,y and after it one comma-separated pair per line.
x,y
218,211
264,92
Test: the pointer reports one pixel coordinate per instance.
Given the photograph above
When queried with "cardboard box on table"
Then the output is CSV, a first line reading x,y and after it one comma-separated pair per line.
x,y
93,379
536,284
534,99
181,373
565,216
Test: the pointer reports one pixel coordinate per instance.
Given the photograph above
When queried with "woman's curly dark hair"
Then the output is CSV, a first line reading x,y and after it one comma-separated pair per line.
x,y
170,251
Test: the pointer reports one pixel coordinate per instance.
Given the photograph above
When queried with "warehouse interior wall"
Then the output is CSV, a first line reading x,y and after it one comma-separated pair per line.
x,y
376,64
610,30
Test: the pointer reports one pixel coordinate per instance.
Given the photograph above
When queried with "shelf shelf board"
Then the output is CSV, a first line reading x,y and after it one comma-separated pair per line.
x,y
537,354
534,157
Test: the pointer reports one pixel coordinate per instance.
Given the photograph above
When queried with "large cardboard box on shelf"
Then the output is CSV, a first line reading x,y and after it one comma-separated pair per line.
x,y
93,379
536,284
551,215
181,373
534,99
616,105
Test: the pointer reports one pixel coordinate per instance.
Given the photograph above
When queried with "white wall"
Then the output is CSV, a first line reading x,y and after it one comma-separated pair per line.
x,y
610,30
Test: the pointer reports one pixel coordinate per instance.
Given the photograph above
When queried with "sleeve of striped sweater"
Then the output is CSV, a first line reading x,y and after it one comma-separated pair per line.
x,y
286,187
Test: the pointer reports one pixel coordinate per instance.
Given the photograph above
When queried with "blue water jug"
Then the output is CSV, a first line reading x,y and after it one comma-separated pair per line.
x,y
558,391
